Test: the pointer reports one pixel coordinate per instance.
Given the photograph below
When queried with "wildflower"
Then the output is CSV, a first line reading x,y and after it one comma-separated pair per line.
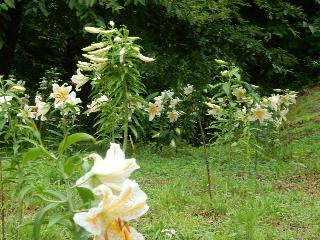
x,y
283,114
94,46
254,86
121,54
167,94
169,232
288,99
224,73
26,112
18,88
153,110
173,116
261,114
117,39
98,30
110,220
239,92
274,102
96,104
220,62
111,23
95,59
42,108
188,89
79,79
159,100
100,51
174,102
242,114
92,29
111,171
85,66
133,38
63,95
277,90
144,58
214,109
5,99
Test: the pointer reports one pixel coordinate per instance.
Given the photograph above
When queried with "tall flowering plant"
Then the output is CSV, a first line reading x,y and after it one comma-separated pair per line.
x,y
112,66
240,113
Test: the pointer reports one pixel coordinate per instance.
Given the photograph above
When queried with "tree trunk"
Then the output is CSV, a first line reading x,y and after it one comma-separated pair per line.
x,y
7,53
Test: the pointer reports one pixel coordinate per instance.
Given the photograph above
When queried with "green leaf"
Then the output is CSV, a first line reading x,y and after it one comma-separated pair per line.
x,y
74,138
226,88
35,152
70,163
56,218
85,194
58,195
10,3
43,8
39,220
22,193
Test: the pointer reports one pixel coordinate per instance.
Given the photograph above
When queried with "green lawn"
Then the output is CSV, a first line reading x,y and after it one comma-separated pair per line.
x,y
279,200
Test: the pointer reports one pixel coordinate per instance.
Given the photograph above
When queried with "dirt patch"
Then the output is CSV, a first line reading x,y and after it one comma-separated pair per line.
x,y
308,183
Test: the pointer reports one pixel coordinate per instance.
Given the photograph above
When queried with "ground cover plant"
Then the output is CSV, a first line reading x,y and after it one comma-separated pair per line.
x,y
211,102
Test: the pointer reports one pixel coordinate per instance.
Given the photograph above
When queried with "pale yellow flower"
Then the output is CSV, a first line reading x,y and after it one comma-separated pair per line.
x,y
153,110
173,116
261,114
110,220
239,93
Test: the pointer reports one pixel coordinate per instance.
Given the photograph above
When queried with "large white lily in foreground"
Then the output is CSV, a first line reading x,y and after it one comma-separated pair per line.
x,y
111,171
109,221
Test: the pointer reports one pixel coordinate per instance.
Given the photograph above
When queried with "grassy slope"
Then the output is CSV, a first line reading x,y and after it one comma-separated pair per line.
x,y
283,203
280,201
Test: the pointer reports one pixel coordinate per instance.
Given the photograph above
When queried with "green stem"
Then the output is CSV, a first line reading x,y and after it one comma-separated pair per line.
x,y
126,121
206,158
2,207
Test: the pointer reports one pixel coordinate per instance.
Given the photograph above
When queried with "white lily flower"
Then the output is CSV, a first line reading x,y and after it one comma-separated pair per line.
x,y
26,112
188,89
79,79
111,171
133,38
95,59
173,116
110,220
144,58
239,93
85,66
214,109
101,50
94,46
283,115
111,23
153,111
220,62
95,104
274,102
92,29
18,88
63,95
42,108
5,99
261,114
121,54
174,102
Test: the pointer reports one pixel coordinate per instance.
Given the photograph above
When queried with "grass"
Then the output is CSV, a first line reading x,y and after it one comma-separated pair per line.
x,y
281,200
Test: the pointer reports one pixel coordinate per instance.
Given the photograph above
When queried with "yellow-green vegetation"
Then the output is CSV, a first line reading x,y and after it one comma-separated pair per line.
x,y
279,200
